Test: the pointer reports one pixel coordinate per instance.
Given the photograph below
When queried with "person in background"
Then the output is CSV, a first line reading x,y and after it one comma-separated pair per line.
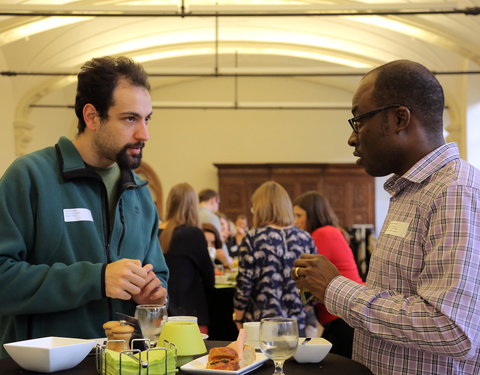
x,y
78,228
313,213
232,243
214,242
264,287
225,227
241,226
418,312
209,202
186,252
228,237
239,230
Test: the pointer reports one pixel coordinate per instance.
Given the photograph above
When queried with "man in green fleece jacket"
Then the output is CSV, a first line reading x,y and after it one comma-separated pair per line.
x,y
78,228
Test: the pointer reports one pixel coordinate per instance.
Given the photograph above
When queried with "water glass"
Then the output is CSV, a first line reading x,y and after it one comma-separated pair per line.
x,y
151,319
278,340
252,329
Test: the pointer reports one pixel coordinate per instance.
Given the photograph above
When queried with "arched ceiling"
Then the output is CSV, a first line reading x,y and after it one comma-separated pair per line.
x,y
315,39
436,36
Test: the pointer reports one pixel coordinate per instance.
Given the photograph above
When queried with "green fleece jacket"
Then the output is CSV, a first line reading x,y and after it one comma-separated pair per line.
x,y
56,240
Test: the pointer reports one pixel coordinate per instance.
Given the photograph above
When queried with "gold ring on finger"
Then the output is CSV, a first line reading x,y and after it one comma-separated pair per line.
x,y
296,273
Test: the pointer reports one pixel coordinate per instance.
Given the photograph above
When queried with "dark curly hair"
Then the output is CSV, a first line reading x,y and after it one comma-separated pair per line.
x,y
97,80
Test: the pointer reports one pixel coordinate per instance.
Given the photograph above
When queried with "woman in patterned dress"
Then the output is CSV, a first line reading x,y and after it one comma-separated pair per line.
x,y
267,253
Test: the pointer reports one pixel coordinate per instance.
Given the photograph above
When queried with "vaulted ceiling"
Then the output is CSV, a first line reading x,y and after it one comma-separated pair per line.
x,y
41,41
263,33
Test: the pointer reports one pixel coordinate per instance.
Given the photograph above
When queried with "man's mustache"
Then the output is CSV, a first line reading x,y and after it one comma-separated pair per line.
x,y
135,145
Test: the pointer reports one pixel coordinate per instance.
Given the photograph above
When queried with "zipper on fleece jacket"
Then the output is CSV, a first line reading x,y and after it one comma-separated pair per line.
x,y
128,185
122,219
106,234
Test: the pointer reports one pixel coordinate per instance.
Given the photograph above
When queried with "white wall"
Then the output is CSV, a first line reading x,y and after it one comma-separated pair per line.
x,y
473,120
382,201
185,144
7,151
50,124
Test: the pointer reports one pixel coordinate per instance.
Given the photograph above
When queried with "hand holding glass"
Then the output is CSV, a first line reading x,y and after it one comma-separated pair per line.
x,y
151,319
278,340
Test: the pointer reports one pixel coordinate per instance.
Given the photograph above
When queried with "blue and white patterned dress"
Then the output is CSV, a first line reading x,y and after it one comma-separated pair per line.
x,y
264,284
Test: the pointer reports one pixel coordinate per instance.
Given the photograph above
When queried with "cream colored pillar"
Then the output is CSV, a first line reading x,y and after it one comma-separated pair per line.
x,y
473,120
7,109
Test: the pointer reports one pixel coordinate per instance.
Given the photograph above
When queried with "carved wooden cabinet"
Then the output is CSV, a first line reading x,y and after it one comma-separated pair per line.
x,y
349,189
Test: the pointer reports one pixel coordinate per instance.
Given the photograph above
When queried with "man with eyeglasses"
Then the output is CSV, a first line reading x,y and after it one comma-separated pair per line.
x,y
419,310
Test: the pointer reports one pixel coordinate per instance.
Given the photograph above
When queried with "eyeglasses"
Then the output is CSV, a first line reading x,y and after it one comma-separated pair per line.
x,y
355,121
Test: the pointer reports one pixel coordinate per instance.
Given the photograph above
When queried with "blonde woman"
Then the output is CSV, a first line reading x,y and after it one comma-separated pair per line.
x,y
186,253
267,253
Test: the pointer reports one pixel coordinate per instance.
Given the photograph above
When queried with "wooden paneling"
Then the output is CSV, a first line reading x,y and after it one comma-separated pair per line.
x,y
349,189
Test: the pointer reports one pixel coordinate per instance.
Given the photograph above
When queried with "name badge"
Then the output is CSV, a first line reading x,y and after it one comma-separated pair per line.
x,y
397,228
77,214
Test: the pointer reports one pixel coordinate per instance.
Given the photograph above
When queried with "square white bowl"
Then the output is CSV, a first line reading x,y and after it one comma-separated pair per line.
x,y
49,354
312,351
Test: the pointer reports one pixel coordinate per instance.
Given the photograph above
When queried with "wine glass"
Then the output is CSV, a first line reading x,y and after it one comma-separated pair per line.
x,y
278,340
151,319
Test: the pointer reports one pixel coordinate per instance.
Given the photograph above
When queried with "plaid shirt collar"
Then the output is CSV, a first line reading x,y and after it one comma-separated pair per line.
x,y
423,169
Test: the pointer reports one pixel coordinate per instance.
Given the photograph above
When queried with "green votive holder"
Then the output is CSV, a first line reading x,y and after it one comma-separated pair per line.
x,y
186,337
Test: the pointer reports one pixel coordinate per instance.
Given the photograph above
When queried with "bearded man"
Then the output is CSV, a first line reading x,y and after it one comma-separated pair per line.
x,y
78,228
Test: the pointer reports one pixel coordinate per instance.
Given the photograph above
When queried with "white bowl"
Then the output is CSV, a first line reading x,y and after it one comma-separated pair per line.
x,y
313,351
49,354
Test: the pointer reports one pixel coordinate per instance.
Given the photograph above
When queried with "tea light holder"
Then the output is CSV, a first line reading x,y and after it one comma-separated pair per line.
x,y
186,337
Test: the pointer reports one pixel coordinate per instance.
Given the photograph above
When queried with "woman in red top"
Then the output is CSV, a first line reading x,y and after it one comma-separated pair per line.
x,y
314,214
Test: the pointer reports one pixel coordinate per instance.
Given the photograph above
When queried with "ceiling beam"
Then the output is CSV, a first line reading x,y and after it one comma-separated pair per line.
x,y
231,105
67,10
237,74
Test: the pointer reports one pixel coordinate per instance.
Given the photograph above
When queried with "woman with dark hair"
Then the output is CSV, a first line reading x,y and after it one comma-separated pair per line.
x,y
215,246
314,214
212,236
185,248
267,253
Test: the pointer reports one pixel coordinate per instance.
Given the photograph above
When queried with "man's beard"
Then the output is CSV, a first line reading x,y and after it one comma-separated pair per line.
x,y
125,160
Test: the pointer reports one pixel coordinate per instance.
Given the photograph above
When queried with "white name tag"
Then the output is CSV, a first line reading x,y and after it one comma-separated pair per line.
x,y
397,228
77,214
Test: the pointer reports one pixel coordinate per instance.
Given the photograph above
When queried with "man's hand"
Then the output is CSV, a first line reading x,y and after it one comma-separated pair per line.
x,y
124,278
313,273
152,292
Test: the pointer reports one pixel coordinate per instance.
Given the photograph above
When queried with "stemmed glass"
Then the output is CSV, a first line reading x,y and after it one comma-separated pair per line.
x,y
278,340
151,319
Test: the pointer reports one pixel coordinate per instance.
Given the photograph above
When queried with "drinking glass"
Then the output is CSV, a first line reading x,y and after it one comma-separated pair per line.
x,y
151,319
278,340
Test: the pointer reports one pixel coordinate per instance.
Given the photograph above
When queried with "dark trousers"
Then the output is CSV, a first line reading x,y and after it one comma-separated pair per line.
x,y
340,334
